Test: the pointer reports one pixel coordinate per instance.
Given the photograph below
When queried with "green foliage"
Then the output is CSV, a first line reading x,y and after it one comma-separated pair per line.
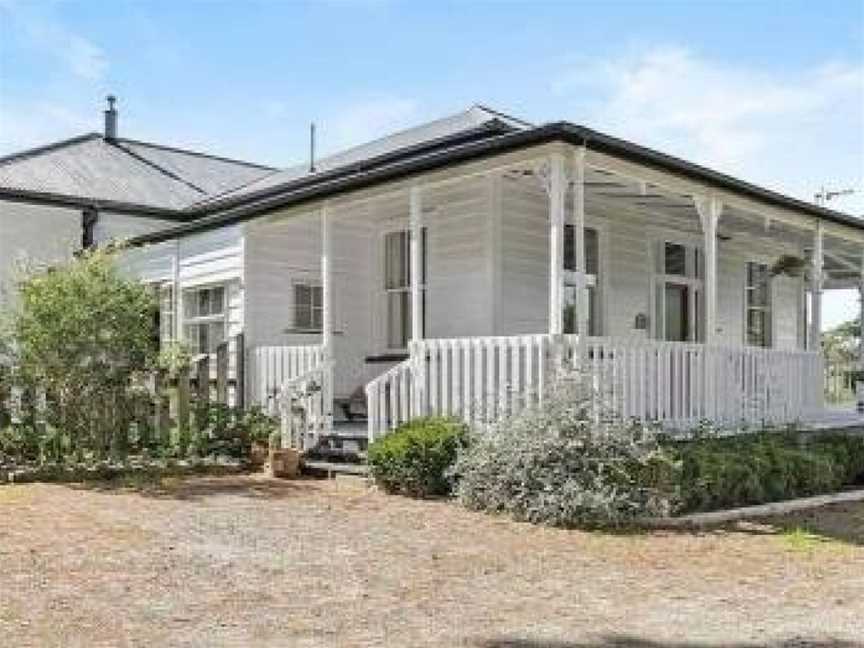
x,y
567,463
840,344
764,467
82,334
414,459
219,430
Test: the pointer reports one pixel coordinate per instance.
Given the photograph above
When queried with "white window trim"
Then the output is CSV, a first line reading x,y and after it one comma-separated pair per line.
x,y
206,319
385,230
772,333
592,280
697,286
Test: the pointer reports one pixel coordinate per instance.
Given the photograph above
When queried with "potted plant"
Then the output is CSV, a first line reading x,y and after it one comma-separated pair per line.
x,y
284,462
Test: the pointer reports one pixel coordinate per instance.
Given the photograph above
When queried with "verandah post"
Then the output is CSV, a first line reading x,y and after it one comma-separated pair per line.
x,y
327,317
816,286
416,349
556,186
709,210
579,242
859,386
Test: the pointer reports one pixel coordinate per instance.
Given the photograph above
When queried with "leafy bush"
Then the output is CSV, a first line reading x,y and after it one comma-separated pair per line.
x,y
764,467
414,459
567,463
81,335
225,431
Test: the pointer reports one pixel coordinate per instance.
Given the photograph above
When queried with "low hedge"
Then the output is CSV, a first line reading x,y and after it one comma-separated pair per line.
x,y
765,467
414,459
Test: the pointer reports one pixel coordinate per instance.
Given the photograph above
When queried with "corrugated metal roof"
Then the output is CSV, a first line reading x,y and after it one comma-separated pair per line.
x,y
123,171
466,120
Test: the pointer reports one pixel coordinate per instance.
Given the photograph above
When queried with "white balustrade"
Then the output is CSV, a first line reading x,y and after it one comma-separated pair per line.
x,y
270,367
679,385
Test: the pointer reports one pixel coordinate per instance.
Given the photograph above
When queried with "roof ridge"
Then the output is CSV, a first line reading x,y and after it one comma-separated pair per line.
x,y
154,165
47,148
209,156
501,114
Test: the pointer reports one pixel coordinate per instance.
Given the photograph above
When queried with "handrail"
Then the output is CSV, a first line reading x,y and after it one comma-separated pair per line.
x,y
389,399
304,395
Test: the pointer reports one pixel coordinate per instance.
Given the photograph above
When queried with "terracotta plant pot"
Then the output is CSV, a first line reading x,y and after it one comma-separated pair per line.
x,y
259,453
285,463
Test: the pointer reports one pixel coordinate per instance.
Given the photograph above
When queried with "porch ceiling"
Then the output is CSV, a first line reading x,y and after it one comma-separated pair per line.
x,y
606,191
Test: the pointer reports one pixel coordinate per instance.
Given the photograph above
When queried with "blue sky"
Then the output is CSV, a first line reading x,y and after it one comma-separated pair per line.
x,y
771,91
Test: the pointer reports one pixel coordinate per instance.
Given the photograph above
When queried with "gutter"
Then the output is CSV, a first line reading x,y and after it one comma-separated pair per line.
x,y
410,162
61,200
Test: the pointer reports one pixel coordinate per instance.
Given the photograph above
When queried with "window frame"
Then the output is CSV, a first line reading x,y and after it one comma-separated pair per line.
x,y
404,290
313,286
767,310
200,320
593,281
693,279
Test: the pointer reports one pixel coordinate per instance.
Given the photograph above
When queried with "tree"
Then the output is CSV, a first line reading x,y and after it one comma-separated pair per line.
x,y
81,334
841,343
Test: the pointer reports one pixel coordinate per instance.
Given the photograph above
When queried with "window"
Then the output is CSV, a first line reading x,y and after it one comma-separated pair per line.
x,y
204,318
166,313
592,272
758,300
678,308
397,286
308,307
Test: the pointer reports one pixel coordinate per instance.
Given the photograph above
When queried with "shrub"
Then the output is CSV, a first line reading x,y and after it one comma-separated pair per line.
x,y
81,334
414,459
764,467
567,464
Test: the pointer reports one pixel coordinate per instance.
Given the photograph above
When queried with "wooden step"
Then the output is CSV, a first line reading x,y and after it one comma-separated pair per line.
x,y
330,469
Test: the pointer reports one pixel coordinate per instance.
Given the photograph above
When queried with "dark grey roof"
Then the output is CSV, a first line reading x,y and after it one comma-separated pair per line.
x,y
475,117
121,172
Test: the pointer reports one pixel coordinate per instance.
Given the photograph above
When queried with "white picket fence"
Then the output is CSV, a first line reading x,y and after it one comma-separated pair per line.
x,y
271,367
678,384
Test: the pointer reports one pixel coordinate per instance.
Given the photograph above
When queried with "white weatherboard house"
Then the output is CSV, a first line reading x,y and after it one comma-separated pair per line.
x,y
453,267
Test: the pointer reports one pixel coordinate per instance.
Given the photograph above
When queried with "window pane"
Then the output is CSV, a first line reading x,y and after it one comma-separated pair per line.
x,y
397,306
203,302
395,260
216,336
217,301
592,250
756,328
676,259
570,312
203,339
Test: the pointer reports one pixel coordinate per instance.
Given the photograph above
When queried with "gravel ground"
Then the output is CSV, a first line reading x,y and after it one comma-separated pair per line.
x,y
249,561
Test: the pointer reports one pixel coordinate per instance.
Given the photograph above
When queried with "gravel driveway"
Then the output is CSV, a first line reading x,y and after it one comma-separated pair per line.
x,y
249,561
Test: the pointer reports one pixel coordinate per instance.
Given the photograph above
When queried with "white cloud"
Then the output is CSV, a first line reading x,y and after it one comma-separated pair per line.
x,y
790,130
763,124
79,55
24,125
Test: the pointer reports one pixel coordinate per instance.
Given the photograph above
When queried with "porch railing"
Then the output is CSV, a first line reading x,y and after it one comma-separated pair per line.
x,y
678,384
301,408
270,367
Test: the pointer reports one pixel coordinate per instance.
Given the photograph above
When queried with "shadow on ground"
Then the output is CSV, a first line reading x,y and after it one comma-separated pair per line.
x,y
258,487
625,641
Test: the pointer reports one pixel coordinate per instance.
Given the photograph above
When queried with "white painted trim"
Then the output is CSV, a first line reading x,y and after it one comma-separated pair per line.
x,y
415,251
